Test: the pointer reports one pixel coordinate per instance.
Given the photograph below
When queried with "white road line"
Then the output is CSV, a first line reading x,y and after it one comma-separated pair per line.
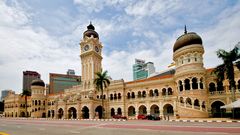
x,y
18,126
74,132
42,129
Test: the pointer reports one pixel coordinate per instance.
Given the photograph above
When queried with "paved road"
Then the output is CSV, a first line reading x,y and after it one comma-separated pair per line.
x,y
131,127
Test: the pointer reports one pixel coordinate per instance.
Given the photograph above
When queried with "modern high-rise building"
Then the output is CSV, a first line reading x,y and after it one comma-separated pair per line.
x,y
28,77
4,93
59,82
142,70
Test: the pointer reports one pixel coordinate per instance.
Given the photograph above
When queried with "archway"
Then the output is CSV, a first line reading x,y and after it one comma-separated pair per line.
x,y
112,111
85,113
60,113
215,108
131,111
99,112
142,109
119,111
72,113
22,114
168,109
154,110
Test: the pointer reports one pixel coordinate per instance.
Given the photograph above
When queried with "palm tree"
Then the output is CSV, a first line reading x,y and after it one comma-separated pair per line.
x,y
226,70
26,93
101,82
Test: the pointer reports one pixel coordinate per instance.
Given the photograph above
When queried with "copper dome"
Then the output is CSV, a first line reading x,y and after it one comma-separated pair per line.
x,y
38,82
90,31
187,39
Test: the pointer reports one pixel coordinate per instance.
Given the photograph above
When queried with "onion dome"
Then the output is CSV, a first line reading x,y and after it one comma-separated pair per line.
x,y
188,38
90,31
38,82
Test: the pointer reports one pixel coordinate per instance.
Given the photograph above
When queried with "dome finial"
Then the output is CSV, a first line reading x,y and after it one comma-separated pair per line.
x,y
90,26
185,29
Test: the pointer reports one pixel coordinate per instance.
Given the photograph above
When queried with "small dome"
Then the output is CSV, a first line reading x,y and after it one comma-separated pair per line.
x,y
90,31
38,82
187,39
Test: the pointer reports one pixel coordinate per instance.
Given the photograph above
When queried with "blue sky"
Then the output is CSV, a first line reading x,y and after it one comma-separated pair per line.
x,y
44,35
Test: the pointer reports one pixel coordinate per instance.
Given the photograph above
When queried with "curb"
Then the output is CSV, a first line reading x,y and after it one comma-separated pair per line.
x,y
209,121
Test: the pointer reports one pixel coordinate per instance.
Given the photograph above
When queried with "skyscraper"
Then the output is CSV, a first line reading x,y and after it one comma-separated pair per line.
x,y
28,77
59,82
4,94
142,70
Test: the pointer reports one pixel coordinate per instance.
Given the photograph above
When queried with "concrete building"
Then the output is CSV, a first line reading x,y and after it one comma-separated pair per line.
x,y
59,82
189,90
4,93
142,70
28,77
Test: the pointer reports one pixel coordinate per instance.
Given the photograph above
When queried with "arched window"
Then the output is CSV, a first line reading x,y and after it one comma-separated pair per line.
x,y
212,87
180,85
164,91
128,95
196,102
144,94
115,96
101,96
181,100
43,102
39,102
151,93
104,96
156,92
133,95
36,102
170,92
111,96
189,101
119,96
194,83
97,97
139,94
220,86
203,104
187,84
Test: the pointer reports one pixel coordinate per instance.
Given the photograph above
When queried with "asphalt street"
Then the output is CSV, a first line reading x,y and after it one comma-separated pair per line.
x,y
130,127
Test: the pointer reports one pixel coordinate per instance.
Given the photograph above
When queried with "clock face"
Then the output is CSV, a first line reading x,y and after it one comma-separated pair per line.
x,y
86,47
96,49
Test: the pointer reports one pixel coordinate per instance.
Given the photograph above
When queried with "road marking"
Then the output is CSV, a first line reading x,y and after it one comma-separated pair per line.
x,y
74,132
41,129
2,133
18,126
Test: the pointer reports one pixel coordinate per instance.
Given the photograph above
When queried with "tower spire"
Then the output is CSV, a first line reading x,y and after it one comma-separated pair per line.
x,y
185,29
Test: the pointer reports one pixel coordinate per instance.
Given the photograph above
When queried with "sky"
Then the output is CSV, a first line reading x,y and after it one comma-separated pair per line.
x,y
44,35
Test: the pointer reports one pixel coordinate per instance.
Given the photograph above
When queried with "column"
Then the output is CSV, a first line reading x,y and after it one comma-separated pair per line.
x,y
199,85
192,103
190,82
136,110
200,105
183,86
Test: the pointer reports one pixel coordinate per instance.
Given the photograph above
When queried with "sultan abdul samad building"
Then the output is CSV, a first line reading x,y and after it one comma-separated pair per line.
x,y
190,90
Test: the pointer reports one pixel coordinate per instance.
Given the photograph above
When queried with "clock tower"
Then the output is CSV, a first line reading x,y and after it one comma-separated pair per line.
x,y
91,56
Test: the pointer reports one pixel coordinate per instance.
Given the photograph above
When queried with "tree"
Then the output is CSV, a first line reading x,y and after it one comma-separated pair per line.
x,y
226,70
24,94
101,82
